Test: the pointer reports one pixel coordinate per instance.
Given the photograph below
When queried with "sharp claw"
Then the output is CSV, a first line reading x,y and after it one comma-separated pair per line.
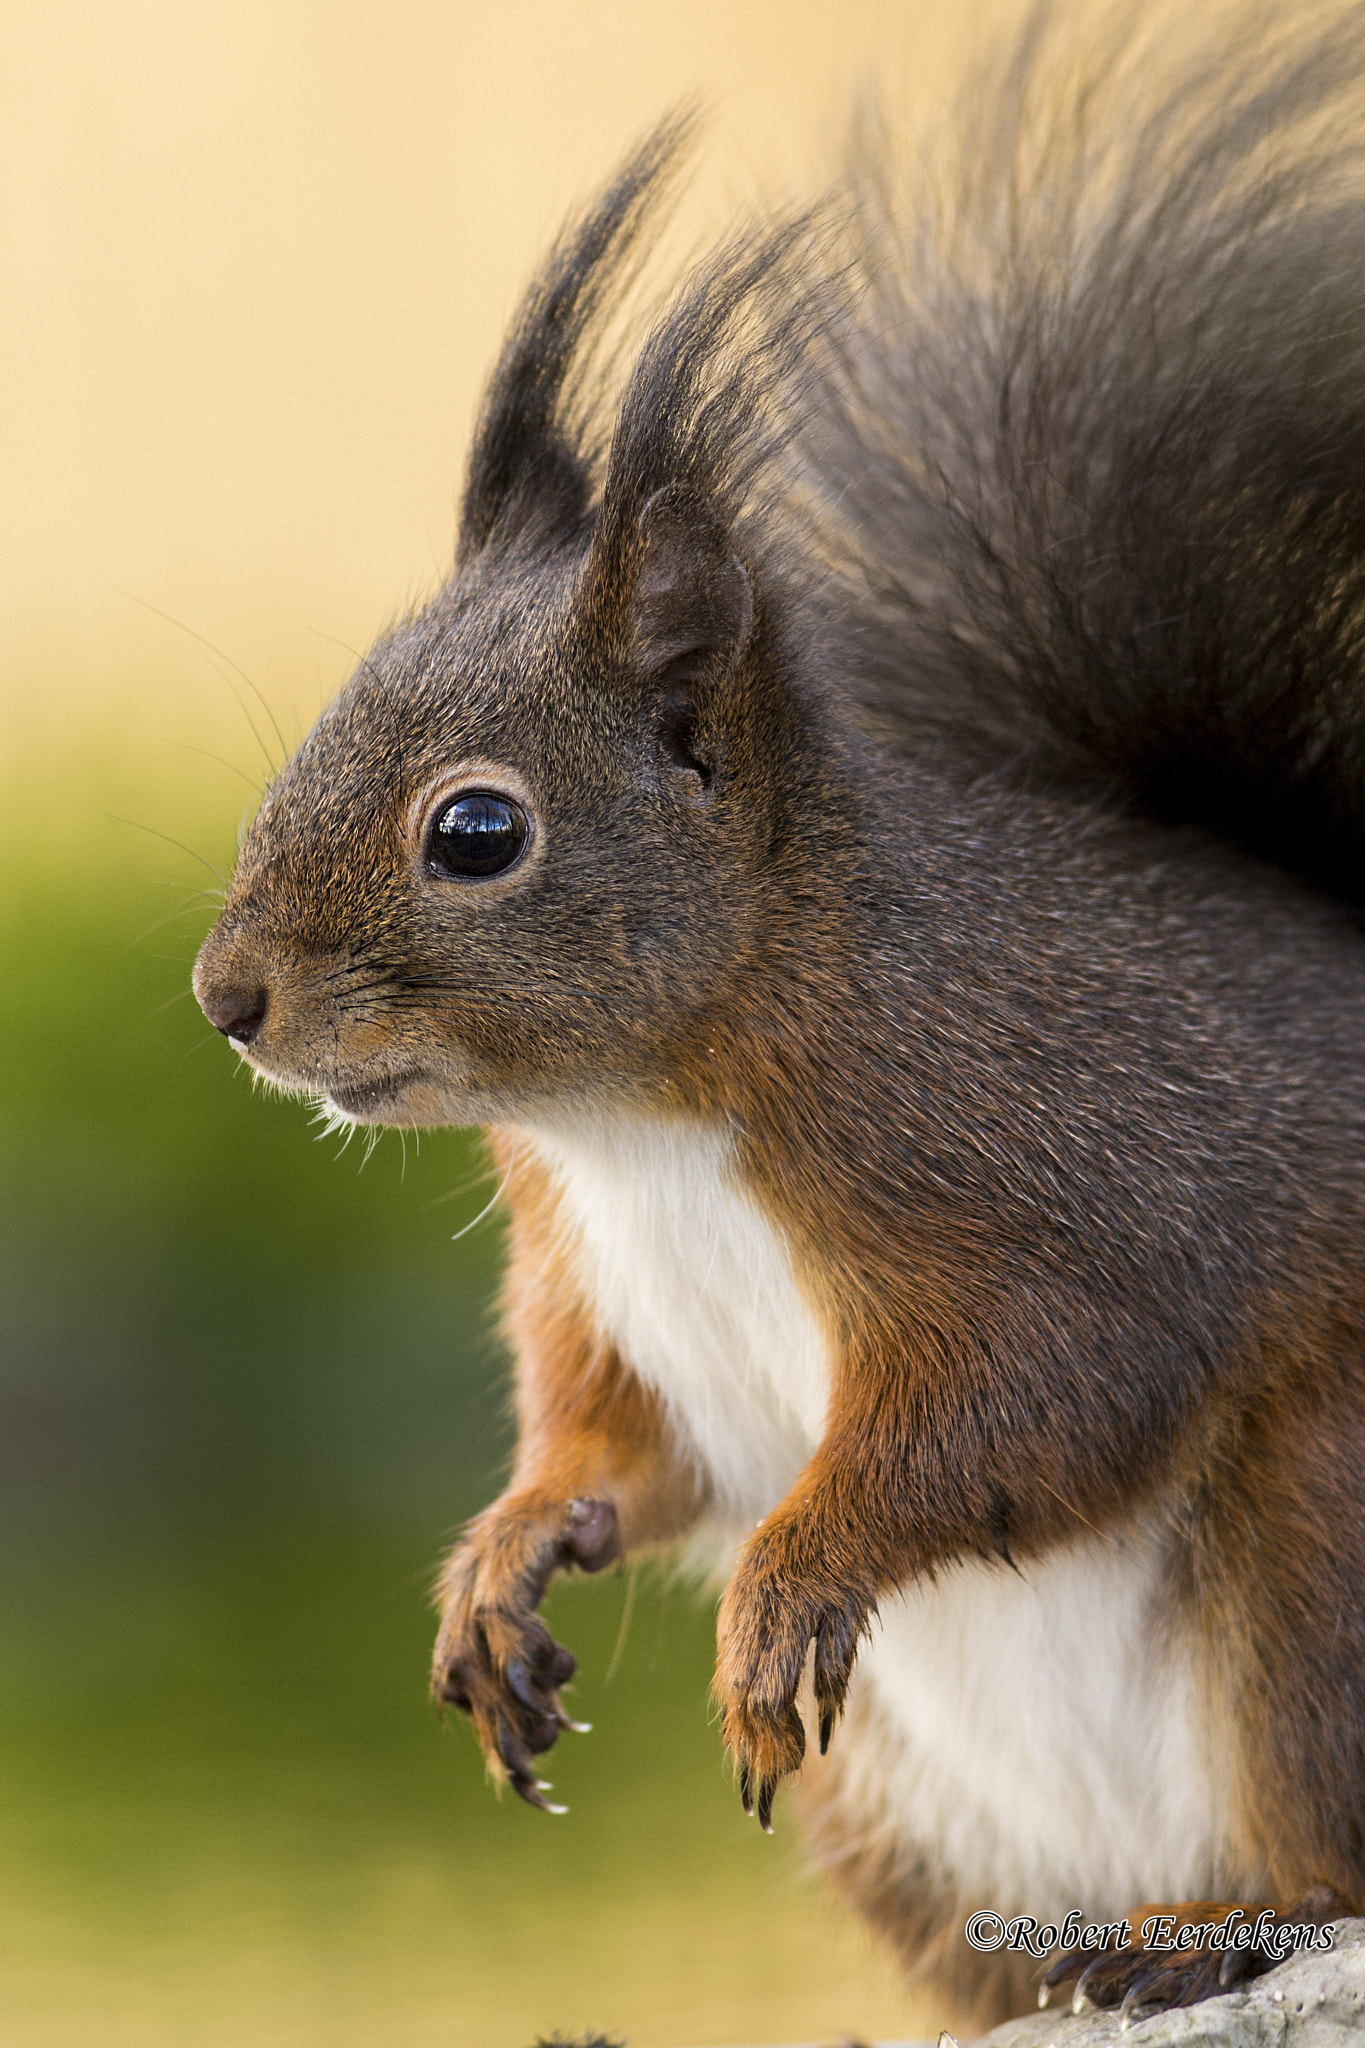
x,y
765,1804
1134,1997
1079,2001
533,1791
574,1727
1066,1966
519,1681
515,1756
826,1728
1044,1993
746,1789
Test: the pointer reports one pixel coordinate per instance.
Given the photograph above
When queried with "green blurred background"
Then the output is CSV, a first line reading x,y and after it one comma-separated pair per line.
x,y
255,261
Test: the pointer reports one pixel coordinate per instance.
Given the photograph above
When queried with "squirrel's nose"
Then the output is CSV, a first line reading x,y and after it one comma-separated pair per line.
x,y
238,1013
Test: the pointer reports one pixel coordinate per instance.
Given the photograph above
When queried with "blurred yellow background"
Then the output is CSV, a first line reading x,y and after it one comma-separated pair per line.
x,y
256,260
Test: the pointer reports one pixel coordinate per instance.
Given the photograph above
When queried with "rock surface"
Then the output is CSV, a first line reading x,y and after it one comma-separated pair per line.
x,y
1312,2001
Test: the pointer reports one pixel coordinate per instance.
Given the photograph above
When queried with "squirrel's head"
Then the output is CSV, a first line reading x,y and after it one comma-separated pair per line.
x,y
525,849
538,838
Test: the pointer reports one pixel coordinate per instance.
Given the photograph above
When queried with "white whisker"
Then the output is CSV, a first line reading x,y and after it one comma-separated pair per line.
x,y
488,1209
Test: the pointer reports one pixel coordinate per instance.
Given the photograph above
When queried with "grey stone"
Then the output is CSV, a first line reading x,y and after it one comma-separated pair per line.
x,y
1312,2001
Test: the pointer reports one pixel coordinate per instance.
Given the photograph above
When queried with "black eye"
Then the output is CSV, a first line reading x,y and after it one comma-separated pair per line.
x,y
479,834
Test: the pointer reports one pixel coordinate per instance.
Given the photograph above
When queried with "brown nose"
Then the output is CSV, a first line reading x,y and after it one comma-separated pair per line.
x,y
237,1012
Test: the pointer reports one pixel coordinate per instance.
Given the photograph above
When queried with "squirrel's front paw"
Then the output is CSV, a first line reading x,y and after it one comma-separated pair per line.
x,y
495,1659
775,1606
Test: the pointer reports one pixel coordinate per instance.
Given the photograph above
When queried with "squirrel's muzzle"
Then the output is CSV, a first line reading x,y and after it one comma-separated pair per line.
x,y
237,1011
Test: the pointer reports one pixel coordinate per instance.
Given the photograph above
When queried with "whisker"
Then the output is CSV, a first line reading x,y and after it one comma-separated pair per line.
x,y
380,980
491,1206
354,966
363,1006
414,991
178,997
465,1187
623,1631
181,627
138,826
354,652
184,747
331,1119
192,909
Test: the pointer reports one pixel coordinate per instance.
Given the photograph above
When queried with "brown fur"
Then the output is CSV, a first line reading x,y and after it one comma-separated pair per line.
x,y
940,747
587,1432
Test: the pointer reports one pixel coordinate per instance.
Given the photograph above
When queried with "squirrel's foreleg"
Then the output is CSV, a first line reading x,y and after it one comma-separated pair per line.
x,y
596,1475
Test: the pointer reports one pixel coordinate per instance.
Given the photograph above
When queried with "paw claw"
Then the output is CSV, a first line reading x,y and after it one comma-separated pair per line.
x,y
1134,1997
768,1619
496,1662
1080,1996
1064,1967
519,1682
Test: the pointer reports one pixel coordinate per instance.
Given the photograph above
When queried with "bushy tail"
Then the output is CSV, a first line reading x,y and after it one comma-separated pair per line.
x,y
1093,449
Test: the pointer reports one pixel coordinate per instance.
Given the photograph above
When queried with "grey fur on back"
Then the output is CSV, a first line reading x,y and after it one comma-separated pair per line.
x,y
1097,435
1054,439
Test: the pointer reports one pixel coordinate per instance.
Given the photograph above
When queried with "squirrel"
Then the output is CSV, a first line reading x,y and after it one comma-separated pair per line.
x,y
873,827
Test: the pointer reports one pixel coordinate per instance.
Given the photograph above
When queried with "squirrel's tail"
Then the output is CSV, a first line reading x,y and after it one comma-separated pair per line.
x,y
1094,446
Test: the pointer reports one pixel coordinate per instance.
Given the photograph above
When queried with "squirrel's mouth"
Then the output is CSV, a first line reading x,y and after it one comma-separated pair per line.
x,y
368,1102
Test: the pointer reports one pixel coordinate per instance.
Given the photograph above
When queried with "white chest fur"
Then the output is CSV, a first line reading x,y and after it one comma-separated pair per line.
x,y
1033,1737
695,1287
1042,1735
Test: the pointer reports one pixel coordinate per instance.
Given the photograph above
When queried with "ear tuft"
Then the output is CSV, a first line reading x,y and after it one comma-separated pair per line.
x,y
531,463
693,603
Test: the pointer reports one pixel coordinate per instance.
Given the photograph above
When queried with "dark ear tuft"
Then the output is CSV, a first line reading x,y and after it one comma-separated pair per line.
x,y
693,602
532,460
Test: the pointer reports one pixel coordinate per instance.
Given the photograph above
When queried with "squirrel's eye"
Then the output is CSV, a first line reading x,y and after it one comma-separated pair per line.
x,y
479,834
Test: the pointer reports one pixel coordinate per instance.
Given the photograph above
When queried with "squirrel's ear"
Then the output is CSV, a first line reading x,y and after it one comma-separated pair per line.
x,y
528,466
692,602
